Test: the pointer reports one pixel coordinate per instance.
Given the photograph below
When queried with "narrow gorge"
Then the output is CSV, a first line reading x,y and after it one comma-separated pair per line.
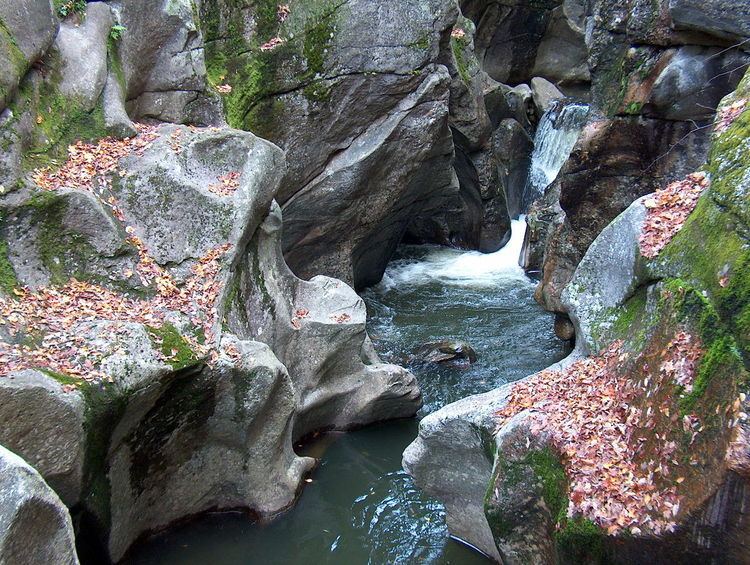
x,y
356,281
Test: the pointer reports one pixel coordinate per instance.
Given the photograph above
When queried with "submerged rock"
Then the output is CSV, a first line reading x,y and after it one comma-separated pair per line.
x,y
35,526
446,350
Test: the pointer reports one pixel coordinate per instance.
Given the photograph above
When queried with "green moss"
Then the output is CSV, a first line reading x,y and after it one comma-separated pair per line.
x,y
634,108
8,280
458,47
550,476
173,346
548,469
580,541
64,254
60,377
105,407
721,360
258,76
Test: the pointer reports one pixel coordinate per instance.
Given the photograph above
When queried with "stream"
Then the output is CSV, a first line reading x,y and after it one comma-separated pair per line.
x,y
361,507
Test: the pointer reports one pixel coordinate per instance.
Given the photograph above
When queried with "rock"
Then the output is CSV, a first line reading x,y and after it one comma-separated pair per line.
x,y
170,182
317,329
165,77
564,328
446,350
609,273
28,28
342,108
43,423
451,460
504,102
525,495
116,118
726,19
692,83
82,48
512,147
202,439
349,218
35,526
544,93
52,236
588,201
562,56
503,54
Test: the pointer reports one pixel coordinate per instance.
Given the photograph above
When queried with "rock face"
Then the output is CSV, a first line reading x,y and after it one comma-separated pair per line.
x,y
44,423
202,439
35,526
312,82
564,226
165,77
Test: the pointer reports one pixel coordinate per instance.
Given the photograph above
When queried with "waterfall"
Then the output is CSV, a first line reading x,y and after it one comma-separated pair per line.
x,y
456,268
555,137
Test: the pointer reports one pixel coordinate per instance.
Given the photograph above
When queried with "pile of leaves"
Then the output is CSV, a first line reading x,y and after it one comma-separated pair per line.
x,y
668,209
42,326
227,185
594,416
89,163
727,114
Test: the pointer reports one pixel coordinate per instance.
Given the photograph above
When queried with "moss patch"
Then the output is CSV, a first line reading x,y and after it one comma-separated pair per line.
x,y
173,346
8,280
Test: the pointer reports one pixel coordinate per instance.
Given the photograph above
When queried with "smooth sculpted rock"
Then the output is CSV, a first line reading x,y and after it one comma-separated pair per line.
x,y
43,422
317,329
82,47
197,440
544,93
35,526
452,460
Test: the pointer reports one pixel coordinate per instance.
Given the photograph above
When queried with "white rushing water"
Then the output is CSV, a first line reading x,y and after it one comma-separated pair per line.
x,y
461,268
555,137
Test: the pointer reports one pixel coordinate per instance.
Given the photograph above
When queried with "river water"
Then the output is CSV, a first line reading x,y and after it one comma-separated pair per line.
x,y
361,508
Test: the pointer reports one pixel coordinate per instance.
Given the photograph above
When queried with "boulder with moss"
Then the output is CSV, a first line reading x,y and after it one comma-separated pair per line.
x,y
666,326
154,330
27,29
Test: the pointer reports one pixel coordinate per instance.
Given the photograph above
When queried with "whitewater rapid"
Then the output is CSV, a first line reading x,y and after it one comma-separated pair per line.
x,y
455,267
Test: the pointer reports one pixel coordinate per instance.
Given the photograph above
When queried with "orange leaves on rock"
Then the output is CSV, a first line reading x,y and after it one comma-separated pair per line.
x,y
55,315
227,185
587,411
223,88
341,318
458,33
726,115
89,161
680,360
283,11
272,44
667,211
